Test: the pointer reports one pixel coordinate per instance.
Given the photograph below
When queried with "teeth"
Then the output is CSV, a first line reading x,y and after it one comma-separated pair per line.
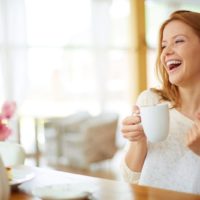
x,y
173,62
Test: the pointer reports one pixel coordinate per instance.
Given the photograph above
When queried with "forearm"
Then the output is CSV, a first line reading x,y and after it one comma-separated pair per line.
x,y
136,155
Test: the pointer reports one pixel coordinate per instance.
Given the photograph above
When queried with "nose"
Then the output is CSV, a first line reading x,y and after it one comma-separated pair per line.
x,y
168,49
167,52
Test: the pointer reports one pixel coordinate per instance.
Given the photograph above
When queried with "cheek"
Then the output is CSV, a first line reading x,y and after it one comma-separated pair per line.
x,y
189,51
190,57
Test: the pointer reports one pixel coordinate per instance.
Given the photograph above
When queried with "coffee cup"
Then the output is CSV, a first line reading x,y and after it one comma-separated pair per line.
x,y
155,121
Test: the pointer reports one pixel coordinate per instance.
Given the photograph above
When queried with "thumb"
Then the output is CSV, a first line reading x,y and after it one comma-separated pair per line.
x,y
135,110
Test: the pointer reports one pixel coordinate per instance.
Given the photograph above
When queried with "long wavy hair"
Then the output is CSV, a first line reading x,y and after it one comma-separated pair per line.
x,y
168,91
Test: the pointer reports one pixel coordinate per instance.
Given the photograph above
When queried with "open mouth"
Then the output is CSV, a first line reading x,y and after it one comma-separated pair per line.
x,y
173,64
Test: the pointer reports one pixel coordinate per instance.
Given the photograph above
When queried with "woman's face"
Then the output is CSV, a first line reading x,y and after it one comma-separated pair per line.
x,y
181,54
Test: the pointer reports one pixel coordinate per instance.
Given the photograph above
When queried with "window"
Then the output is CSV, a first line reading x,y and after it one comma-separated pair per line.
x,y
78,53
78,57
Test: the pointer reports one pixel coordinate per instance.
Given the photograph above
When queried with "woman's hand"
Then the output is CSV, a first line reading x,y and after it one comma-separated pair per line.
x,y
131,127
193,136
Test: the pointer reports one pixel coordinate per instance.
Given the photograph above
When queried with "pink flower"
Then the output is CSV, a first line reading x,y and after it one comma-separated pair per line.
x,y
8,109
7,112
5,132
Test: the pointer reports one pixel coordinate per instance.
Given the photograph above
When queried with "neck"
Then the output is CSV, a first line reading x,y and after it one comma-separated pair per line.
x,y
190,101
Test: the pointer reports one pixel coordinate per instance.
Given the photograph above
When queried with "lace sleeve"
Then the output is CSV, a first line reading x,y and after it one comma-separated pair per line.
x,y
129,175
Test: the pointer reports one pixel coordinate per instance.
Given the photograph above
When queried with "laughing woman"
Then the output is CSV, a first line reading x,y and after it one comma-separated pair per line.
x,y
174,163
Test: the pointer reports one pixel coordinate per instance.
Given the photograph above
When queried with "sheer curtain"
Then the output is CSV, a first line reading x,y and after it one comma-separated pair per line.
x,y
101,23
13,51
65,55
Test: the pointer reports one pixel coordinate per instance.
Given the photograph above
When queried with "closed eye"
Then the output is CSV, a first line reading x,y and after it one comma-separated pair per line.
x,y
179,41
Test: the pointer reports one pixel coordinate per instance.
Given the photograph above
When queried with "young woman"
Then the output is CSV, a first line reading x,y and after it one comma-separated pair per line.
x,y
174,163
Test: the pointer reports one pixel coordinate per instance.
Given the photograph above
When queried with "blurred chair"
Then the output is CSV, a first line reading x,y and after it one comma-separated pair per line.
x,y
92,142
12,154
54,128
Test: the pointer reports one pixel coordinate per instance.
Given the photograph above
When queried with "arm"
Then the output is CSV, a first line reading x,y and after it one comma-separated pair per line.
x,y
132,130
136,154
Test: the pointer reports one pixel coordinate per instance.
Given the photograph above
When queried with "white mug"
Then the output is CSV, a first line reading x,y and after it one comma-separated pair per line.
x,y
155,121
4,184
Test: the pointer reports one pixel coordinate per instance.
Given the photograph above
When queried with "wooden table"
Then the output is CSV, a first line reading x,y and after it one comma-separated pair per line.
x,y
103,189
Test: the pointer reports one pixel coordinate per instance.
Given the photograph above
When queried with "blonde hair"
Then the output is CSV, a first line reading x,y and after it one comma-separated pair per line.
x,y
169,91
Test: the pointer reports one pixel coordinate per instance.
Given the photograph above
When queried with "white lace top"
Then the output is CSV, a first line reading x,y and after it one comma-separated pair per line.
x,y
169,164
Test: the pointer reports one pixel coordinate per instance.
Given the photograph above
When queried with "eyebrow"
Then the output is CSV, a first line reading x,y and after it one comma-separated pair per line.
x,y
175,37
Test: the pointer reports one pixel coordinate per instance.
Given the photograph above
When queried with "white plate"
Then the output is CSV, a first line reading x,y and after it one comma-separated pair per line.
x,y
20,175
63,191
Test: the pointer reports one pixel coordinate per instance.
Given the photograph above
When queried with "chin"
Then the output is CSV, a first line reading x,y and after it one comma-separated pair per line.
x,y
178,78
177,82
180,83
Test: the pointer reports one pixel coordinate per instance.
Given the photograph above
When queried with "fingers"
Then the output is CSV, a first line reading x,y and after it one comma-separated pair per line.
x,y
134,118
197,121
130,120
194,132
198,115
192,135
131,127
134,136
193,141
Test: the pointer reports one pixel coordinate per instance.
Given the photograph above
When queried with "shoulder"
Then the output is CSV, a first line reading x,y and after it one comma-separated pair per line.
x,y
148,97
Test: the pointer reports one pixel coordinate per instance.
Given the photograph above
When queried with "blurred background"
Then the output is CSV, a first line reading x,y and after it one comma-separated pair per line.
x,y
75,68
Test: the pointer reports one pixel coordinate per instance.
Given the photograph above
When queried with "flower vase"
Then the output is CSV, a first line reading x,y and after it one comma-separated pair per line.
x,y
4,183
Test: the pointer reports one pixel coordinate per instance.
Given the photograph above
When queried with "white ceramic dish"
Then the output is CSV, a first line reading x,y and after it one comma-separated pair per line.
x,y
20,175
62,192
